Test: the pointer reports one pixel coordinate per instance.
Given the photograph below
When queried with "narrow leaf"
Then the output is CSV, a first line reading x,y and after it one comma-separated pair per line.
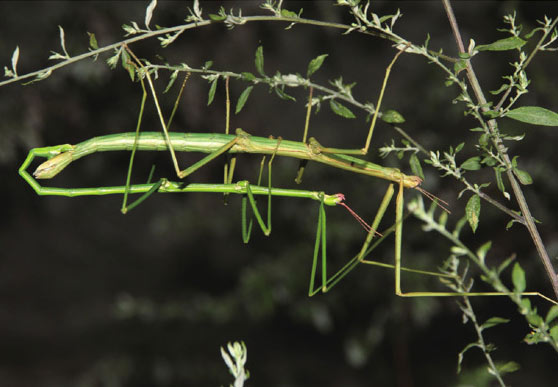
x,y
499,180
472,211
392,117
212,90
315,64
502,88
510,43
149,12
462,353
260,61
481,252
125,60
63,41
340,109
172,78
415,166
15,58
518,278
281,93
554,332
242,99
493,321
535,115
505,264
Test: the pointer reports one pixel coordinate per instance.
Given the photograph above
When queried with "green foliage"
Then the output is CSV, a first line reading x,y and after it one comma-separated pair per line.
x,y
535,115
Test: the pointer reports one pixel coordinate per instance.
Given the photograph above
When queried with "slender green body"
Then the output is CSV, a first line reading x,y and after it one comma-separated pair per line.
x,y
211,142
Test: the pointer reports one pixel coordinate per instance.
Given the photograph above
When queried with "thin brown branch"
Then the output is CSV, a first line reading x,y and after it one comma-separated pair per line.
x,y
492,125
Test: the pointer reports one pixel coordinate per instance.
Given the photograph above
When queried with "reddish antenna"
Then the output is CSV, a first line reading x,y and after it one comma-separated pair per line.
x,y
362,222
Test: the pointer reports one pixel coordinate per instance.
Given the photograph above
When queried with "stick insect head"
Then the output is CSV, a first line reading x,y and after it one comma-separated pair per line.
x,y
53,166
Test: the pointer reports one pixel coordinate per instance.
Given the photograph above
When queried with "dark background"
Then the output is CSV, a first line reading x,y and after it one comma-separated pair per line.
x,y
89,297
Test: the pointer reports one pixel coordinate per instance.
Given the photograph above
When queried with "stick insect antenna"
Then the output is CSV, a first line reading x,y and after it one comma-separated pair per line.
x,y
362,222
439,202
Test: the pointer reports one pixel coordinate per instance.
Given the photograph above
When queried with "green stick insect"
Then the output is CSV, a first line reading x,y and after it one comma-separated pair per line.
x,y
215,145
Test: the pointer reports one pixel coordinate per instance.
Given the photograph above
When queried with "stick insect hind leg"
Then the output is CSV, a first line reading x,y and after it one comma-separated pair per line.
x,y
320,245
368,247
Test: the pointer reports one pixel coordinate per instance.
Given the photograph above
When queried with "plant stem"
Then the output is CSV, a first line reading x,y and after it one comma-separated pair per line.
x,y
529,222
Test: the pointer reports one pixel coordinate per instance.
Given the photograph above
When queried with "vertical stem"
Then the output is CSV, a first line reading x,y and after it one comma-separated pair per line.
x,y
529,222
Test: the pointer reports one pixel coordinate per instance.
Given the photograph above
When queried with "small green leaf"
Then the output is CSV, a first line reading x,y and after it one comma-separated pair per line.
x,y
260,61
462,353
340,109
287,13
216,17
125,60
471,164
534,319
173,77
502,88
518,278
414,162
315,64
457,250
491,114
552,314
248,76
207,65
493,321
505,264
242,99
472,211
281,93
459,66
554,332
212,90
499,180
535,115
392,117
92,41
481,252
509,367
510,43
523,176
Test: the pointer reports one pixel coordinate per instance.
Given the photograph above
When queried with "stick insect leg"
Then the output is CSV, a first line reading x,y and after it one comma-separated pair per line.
x,y
364,150
230,160
302,163
125,208
328,283
319,243
399,268
266,228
